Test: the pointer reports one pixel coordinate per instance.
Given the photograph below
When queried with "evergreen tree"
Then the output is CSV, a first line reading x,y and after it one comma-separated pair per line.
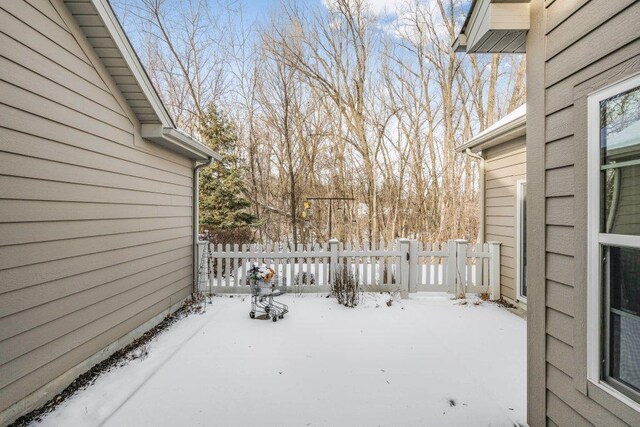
x,y
222,205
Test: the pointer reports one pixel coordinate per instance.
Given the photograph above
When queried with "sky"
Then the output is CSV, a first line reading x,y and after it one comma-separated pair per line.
x,y
259,10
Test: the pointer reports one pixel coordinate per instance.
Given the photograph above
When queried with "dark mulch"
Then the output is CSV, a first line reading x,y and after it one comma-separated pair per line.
x,y
135,350
505,303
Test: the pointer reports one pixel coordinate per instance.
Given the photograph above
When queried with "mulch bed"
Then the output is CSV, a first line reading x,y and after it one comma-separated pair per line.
x,y
137,349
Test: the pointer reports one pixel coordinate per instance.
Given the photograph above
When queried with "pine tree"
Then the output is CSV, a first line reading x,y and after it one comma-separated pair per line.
x,y
222,205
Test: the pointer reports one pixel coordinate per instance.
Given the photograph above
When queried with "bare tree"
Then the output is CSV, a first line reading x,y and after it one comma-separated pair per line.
x,y
330,99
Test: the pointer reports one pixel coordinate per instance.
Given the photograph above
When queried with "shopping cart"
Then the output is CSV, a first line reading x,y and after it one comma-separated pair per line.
x,y
265,286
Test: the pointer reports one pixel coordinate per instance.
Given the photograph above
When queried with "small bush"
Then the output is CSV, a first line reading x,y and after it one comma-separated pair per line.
x,y
345,287
301,278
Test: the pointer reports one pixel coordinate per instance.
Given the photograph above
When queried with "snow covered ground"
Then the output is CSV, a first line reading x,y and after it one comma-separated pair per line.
x,y
422,361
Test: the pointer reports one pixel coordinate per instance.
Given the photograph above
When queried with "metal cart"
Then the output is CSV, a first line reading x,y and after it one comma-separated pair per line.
x,y
263,295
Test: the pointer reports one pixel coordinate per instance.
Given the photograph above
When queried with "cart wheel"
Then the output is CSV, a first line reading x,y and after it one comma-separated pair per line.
x,y
266,309
281,316
275,318
252,314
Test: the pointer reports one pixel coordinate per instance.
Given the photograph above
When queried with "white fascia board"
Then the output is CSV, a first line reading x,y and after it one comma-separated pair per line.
x,y
496,136
131,58
178,141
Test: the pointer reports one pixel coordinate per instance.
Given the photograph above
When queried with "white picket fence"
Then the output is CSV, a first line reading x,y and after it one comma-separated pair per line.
x,y
407,265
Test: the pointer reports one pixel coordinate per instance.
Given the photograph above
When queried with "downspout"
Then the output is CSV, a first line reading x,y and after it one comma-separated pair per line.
x,y
468,152
196,224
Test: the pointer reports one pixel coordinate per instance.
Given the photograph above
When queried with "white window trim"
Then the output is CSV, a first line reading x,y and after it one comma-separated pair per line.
x,y
595,238
519,213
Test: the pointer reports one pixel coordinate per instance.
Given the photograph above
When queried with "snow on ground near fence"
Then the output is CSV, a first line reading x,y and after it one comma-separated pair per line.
x,y
422,361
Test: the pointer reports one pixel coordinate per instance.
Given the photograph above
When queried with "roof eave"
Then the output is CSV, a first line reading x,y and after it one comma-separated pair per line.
x,y
131,58
178,141
492,26
508,132
459,45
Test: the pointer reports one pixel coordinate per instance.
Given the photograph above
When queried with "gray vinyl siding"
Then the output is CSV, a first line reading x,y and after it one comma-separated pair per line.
x,y
95,223
505,165
589,44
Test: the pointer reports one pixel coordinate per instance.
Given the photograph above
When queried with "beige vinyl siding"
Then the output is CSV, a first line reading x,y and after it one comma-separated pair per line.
x,y
95,223
589,44
505,165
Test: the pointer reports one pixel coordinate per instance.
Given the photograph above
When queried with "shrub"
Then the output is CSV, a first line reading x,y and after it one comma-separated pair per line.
x,y
345,287
301,279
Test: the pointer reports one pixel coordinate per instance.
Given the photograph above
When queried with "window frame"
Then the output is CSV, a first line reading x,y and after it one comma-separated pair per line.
x,y
519,243
595,294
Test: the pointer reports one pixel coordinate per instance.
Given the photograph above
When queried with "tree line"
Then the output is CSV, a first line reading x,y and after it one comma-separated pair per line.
x,y
323,99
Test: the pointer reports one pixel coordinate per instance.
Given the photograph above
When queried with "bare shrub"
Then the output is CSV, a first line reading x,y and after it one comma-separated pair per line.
x,y
345,287
301,278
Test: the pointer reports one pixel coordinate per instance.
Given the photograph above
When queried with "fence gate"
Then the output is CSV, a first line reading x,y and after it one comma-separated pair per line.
x,y
406,265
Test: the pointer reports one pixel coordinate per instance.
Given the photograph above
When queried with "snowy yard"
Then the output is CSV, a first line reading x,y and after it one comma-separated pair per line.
x,y
422,361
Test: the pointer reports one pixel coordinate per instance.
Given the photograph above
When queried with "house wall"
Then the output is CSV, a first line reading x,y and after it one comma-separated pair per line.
x,y
504,165
574,48
95,223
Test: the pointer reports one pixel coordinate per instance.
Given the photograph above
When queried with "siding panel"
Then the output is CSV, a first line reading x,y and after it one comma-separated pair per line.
x,y
560,153
33,211
560,297
560,326
607,37
34,125
582,410
582,22
588,45
40,148
505,165
560,355
560,240
37,42
46,302
21,77
560,210
560,182
17,368
28,341
140,315
43,169
25,232
67,270
95,222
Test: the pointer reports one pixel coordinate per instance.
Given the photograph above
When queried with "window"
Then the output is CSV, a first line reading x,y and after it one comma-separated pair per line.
x,y
521,240
614,238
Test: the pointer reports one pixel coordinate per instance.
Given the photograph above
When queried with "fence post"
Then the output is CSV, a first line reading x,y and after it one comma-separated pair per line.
x,y
414,264
494,271
461,267
451,266
403,247
333,251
